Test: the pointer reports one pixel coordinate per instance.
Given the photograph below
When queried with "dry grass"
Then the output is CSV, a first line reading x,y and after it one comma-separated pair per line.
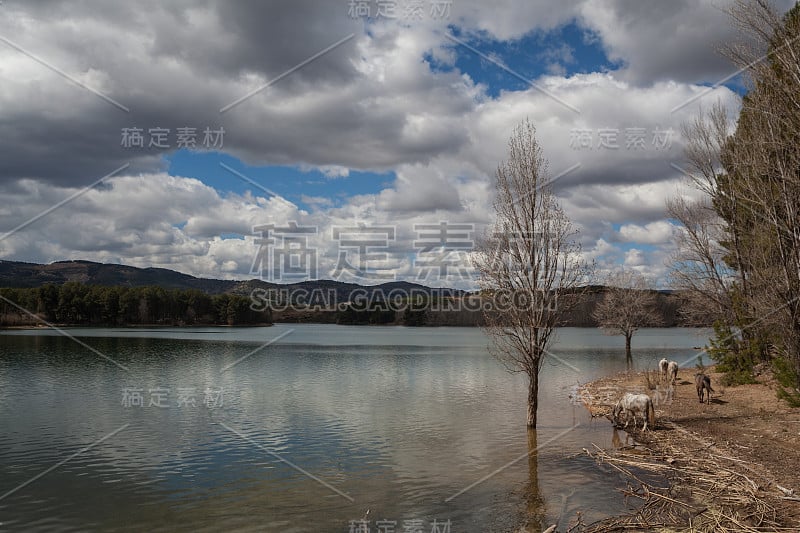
x,y
707,491
716,467
652,378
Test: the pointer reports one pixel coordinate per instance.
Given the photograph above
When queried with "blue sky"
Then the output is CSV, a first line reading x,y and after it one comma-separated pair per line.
x,y
291,182
566,50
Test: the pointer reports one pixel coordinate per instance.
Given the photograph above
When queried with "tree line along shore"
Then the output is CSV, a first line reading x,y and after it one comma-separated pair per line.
x,y
80,304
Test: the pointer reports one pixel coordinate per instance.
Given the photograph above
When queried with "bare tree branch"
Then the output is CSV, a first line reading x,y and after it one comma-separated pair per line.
x,y
527,260
629,303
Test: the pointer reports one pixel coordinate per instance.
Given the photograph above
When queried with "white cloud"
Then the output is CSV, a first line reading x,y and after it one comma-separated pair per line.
x,y
659,232
374,103
634,258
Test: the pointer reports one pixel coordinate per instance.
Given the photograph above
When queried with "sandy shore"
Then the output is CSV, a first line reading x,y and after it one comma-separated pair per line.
x,y
731,465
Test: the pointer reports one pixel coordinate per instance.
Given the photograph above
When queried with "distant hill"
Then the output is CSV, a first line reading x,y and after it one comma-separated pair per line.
x,y
24,275
15,274
334,301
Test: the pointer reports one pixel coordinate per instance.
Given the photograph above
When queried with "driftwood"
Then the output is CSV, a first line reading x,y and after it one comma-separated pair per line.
x,y
703,490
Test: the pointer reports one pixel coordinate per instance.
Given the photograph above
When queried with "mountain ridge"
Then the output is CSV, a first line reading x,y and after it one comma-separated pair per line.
x,y
19,274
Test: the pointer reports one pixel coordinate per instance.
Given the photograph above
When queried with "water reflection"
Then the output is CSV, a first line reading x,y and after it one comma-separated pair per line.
x,y
535,501
399,421
617,442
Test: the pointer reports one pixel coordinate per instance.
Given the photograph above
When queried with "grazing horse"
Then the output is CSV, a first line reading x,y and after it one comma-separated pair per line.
x,y
633,403
662,367
702,382
672,372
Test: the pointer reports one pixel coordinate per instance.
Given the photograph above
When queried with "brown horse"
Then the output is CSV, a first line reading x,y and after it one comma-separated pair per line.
x,y
703,384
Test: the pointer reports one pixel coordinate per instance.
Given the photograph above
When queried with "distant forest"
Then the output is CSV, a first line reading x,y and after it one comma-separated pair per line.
x,y
446,311
78,304
75,303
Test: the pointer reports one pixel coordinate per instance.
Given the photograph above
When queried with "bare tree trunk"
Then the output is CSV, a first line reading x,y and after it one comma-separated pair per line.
x,y
533,398
628,356
534,497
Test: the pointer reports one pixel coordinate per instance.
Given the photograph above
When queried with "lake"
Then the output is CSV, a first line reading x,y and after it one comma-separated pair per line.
x,y
208,429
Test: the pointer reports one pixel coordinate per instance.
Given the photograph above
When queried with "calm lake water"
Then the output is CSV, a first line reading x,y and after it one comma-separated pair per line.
x,y
304,434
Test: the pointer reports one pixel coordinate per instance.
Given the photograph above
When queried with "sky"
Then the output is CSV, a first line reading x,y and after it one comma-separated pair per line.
x,y
351,140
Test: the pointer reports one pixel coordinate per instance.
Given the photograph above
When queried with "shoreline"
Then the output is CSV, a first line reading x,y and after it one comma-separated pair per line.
x,y
732,464
36,327
293,322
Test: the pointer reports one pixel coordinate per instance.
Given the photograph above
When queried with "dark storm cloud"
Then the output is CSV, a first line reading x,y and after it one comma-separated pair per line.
x,y
176,65
679,40
371,103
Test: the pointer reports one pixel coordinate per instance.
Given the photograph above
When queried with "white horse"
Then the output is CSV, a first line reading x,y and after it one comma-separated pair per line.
x,y
632,404
662,367
672,372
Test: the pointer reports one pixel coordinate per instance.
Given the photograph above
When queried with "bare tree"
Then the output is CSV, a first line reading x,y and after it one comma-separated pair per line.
x,y
701,267
713,260
699,270
526,261
706,136
629,303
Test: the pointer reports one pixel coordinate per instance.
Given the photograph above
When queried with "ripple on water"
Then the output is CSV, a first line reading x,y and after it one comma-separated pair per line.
x,y
398,427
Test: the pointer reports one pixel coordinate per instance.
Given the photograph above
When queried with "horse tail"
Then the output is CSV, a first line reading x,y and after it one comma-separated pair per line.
x,y
651,414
